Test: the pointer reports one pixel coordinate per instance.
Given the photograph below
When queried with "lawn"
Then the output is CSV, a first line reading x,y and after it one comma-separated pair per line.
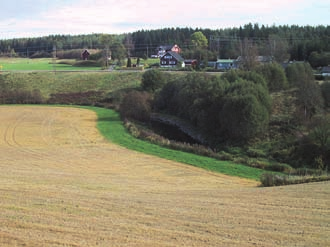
x,y
27,64
49,82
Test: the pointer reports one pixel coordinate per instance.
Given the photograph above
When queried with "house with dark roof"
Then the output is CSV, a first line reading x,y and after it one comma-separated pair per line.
x,y
171,59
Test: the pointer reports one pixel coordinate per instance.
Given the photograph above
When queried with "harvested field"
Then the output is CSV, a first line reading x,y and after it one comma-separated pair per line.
x,y
62,184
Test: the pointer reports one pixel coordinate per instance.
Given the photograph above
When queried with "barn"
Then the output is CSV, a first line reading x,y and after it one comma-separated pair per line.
x,y
85,55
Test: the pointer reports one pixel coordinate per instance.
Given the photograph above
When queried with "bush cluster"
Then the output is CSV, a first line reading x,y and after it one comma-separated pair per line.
x,y
272,179
77,98
21,96
136,105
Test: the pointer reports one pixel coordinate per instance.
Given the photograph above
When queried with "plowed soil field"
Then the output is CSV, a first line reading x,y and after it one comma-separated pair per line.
x,y
62,184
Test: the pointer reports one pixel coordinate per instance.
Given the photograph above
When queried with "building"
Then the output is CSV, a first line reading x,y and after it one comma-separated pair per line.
x,y
85,55
191,63
161,50
171,59
226,64
325,71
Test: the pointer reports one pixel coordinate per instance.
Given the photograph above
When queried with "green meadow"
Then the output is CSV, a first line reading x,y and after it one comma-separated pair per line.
x,y
43,64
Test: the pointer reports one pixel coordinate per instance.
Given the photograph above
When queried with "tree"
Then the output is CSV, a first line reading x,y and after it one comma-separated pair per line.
x,y
106,40
319,59
279,48
309,95
243,117
325,88
274,75
152,80
129,62
249,54
118,51
199,40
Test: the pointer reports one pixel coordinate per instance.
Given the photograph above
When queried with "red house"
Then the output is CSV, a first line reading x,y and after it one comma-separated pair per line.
x,y
161,50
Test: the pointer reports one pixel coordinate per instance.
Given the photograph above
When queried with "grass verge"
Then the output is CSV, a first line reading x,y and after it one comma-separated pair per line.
x,y
111,127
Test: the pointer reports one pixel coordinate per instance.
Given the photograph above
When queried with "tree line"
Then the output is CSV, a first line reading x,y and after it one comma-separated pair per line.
x,y
294,42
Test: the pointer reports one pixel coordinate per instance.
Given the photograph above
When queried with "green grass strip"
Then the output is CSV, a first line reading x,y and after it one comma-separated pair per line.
x,y
111,127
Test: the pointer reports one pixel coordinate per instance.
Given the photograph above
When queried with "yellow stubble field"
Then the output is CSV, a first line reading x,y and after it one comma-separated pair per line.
x,y
63,184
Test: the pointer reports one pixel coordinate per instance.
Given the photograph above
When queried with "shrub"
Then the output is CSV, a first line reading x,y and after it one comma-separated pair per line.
x,y
256,163
278,167
152,80
225,156
41,54
87,63
325,88
76,98
274,75
256,153
136,105
271,179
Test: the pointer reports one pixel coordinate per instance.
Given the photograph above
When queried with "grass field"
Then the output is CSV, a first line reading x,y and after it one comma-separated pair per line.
x,y
27,64
49,82
63,184
46,64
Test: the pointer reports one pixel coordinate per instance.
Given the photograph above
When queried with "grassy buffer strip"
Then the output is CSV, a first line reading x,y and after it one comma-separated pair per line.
x,y
111,127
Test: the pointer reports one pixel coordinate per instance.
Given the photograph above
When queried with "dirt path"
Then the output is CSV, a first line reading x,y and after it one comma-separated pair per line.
x,y
62,184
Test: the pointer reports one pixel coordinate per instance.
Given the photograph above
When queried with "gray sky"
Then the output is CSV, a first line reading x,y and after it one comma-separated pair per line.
x,y
27,18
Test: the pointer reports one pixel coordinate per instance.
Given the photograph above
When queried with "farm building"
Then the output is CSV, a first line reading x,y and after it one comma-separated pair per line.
x,y
171,59
190,63
85,55
226,64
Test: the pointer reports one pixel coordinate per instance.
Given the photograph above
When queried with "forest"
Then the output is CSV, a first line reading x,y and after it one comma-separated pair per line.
x,y
299,43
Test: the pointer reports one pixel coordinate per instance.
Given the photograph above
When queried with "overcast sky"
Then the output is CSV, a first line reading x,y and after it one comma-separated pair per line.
x,y
35,18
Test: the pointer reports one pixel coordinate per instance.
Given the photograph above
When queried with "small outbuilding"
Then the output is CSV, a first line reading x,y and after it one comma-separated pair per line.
x,y
85,54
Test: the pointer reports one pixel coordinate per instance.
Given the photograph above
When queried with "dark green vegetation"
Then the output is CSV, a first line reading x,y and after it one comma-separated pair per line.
x,y
267,118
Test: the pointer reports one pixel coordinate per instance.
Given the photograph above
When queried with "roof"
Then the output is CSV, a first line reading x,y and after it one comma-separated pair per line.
x,y
261,59
85,51
175,55
165,47
325,69
226,60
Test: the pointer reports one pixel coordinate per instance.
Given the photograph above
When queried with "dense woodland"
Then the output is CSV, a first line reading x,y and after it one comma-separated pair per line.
x,y
299,43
